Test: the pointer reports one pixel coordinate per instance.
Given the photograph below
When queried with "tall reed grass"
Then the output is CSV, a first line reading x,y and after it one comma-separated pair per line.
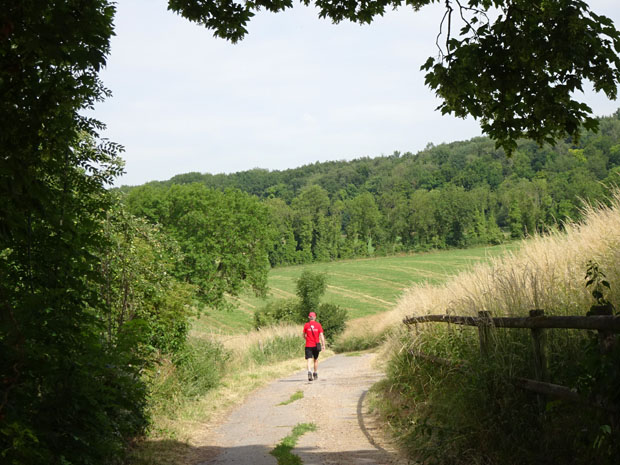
x,y
468,410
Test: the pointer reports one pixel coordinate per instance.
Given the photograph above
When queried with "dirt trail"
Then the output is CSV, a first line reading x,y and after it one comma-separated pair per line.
x,y
334,403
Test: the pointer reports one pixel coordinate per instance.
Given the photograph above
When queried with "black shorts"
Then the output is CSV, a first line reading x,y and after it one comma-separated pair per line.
x,y
312,352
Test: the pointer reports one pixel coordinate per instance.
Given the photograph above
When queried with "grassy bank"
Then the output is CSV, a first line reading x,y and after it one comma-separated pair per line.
x,y
468,410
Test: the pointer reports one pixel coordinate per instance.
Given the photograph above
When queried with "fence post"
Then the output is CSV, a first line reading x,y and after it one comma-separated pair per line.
x,y
605,338
484,331
539,341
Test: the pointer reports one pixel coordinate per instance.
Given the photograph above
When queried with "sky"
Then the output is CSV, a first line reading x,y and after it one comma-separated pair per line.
x,y
297,90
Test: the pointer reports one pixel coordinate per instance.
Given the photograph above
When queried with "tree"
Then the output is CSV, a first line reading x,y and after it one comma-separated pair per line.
x,y
311,229
364,218
517,73
284,249
146,308
454,214
394,211
223,235
513,64
66,395
310,287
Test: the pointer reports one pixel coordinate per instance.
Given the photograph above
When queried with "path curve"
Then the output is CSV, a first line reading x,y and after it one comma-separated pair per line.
x,y
334,403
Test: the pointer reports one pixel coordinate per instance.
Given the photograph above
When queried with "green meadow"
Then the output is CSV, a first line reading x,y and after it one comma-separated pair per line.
x,y
362,286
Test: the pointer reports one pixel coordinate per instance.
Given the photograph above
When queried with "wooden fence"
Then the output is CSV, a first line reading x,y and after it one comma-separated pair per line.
x,y
606,325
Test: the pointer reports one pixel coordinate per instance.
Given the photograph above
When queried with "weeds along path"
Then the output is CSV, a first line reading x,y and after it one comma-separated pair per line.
x,y
345,433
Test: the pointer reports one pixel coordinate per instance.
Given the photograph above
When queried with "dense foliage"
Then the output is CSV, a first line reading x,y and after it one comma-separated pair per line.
x,y
513,64
68,396
224,236
310,287
89,294
146,309
452,195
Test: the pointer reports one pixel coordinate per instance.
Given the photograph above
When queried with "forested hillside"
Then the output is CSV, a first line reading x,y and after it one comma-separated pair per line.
x,y
452,195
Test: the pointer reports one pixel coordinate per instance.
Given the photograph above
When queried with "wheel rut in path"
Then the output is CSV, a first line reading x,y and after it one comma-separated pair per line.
x,y
334,403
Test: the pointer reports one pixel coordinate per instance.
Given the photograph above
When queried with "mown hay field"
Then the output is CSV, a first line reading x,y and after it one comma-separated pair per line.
x,y
363,286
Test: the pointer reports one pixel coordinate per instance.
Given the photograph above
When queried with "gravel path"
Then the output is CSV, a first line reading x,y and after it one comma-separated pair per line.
x,y
334,403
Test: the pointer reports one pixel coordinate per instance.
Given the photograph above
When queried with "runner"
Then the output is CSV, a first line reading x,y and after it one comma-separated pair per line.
x,y
313,332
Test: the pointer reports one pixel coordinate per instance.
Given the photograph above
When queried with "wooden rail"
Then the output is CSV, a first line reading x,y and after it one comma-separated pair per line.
x,y
562,392
599,322
537,323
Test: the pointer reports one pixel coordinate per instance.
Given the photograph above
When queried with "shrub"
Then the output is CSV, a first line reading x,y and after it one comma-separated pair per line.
x,y
195,369
333,319
141,295
310,288
277,311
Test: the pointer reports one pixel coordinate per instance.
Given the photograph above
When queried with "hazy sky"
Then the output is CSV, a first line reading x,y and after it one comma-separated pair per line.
x,y
296,90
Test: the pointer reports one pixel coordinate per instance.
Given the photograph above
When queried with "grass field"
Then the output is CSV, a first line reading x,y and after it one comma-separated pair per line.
x,y
363,286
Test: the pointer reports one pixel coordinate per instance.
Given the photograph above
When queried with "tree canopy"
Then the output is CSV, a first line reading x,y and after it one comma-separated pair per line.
x,y
68,395
224,236
513,64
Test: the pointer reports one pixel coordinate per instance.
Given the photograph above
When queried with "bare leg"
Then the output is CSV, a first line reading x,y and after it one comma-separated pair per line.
x,y
309,363
316,365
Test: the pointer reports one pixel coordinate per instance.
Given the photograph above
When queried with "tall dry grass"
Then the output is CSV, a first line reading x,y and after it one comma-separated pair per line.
x,y
241,345
444,414
547,273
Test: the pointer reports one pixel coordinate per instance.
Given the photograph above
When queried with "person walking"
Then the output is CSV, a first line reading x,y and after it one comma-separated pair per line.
x,y
313,332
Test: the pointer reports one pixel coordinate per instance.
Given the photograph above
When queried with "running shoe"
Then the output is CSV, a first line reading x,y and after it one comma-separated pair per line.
x,y
315,375
309,376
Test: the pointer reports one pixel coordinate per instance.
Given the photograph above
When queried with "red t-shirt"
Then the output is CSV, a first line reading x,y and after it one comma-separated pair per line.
x,y
312,329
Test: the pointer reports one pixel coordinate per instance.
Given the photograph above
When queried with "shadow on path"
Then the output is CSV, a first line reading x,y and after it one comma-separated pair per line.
x,y
170,451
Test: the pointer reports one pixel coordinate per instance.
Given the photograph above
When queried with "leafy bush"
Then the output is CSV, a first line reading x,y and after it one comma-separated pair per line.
x,y
194,370
310,288
333,319
140,293
82,409
71,394
277,311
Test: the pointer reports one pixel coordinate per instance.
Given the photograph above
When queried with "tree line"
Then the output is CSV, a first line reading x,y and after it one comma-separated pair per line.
x,y
452,195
